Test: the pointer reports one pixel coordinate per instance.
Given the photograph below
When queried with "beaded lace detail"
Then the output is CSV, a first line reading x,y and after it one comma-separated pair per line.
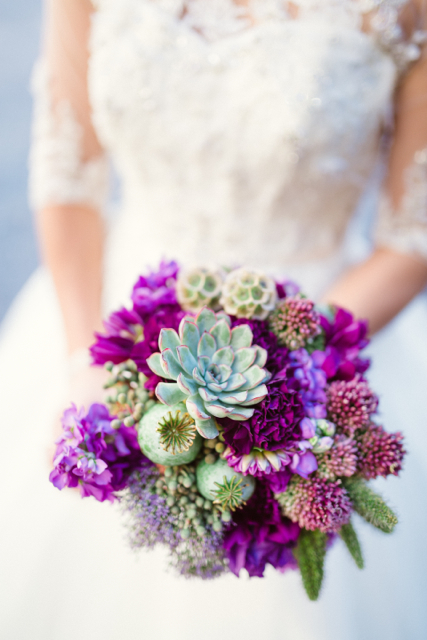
x,y
58,175
405,228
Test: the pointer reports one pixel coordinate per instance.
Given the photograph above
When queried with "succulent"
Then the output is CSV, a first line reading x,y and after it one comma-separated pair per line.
x,y
224,485
323,439
199,287
167,435
218,372
248,294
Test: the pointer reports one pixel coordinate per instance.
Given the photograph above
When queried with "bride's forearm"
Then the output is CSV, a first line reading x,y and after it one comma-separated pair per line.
x,y
379,287
71,240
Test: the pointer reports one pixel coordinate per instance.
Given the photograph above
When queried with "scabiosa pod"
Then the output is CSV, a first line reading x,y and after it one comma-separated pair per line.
x,y
218,372
248,294
295,322
199,287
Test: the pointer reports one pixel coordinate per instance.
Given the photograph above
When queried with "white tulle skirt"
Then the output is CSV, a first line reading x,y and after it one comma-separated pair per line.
x,y
67,572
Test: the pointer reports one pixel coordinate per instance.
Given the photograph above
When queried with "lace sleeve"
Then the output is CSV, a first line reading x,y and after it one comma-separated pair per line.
x,y
67,163
402,217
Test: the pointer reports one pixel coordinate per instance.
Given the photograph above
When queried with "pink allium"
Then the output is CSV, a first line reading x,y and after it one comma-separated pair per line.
x,y
295,322
340,460
316,503
381,453
351,404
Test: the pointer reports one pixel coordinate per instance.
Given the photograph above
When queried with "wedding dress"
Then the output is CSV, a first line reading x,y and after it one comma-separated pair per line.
x,y
242,134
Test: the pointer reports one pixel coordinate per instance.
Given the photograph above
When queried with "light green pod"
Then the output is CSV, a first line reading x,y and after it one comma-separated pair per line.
x,y
209,474
149,437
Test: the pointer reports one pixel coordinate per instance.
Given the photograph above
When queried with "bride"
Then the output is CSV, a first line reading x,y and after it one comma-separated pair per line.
x,y
242,132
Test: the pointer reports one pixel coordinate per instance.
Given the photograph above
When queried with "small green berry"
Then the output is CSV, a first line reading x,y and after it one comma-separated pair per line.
x,y
201,531
210,459
200,502
168,472
217,526
219,447
185,534
170,501
172,485
226,516
175,511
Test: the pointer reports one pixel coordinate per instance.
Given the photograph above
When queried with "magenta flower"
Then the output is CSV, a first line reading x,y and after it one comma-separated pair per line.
x,y
261,536
94,456
345,337
351,404
156,289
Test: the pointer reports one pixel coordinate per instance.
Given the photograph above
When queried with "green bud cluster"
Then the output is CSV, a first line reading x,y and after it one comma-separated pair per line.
x,y
370,505
213,449
310,555
193,513
128,398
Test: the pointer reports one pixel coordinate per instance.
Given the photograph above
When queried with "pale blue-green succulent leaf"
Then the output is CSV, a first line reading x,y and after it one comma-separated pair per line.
x,y
217,387
223,356
243,359
241,413
206,395
206,346
238,397
168,339
241,336
222,334
197,376
235,381
196,408
203,363
207,428
155,364
225,372
190,335
261,356
219,410
221,315
169,393
254,376
186,359
170,364
255,395
187,384
205,320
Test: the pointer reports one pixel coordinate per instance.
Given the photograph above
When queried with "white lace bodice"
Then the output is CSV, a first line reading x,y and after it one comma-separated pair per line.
x,y
244,133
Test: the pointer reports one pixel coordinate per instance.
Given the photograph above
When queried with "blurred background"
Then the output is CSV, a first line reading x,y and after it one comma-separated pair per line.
x,y
19,43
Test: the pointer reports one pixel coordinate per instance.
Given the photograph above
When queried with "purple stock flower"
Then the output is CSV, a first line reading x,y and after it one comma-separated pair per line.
x,y
155,289
309,379
345,337
94,456
261,536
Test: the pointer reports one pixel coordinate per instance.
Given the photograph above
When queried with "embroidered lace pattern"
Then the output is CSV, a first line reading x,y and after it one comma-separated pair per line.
x,y
58,175
405,228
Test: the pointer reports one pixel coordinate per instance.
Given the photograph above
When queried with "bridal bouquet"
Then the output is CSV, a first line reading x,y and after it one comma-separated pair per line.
x,y
239,427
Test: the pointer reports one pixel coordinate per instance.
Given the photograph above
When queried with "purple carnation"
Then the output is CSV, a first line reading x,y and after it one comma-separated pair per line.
x,y
274,424
277,359
309,378
94,456
345,337
261,536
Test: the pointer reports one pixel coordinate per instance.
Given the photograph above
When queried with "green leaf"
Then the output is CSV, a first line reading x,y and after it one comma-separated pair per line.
x,y
310,555
168,339
243,359
223,356
241,336
206,346
169,393
207,428
222,333
370,505
349,537
190,335
205,320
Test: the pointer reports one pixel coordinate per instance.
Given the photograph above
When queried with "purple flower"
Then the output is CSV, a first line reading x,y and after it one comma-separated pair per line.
x,y
155,289
94,456
261,536
345,337
277,356
309,378
274,425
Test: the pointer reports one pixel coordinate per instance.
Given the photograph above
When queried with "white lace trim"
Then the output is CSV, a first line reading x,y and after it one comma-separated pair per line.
x,y
405,229
58,175
221,18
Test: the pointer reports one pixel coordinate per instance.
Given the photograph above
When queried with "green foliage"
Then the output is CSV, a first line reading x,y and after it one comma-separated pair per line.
x,y
317,343
370,505
310,555
349,536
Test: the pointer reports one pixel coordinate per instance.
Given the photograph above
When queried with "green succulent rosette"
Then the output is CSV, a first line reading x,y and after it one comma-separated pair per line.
x,y
218,372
